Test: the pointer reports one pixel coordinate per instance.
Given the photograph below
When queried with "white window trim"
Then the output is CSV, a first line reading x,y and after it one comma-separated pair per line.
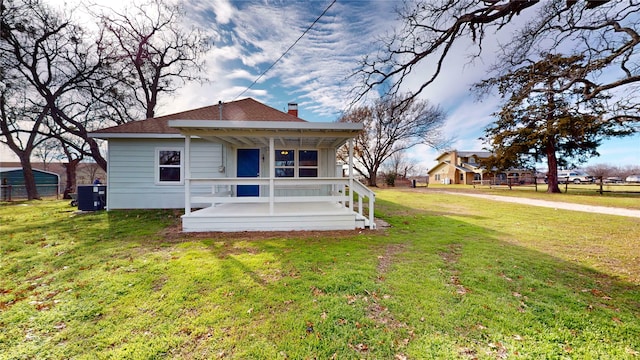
x,y
156,168
298,166
296,163
294,166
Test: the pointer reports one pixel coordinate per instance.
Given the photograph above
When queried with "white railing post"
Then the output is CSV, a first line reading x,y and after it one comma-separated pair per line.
x,y
187,174
351,192
372,224
272,175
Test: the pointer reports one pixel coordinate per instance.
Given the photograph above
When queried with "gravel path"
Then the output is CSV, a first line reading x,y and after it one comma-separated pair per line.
x,y
554,204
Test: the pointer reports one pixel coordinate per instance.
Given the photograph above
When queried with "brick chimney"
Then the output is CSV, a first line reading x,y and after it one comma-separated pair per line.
x,y
293,109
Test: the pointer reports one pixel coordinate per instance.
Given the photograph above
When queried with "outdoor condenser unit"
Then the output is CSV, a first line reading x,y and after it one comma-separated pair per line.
x,y
92,197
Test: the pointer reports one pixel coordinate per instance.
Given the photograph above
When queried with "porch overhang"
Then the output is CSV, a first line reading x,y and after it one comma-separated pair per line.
x,y
258,133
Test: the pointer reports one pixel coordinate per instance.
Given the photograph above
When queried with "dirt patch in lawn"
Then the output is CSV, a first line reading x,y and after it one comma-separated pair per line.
x,y
173,233
451,258
385,260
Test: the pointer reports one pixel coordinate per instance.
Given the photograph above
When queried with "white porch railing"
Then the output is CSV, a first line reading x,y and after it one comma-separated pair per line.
x,y
327,189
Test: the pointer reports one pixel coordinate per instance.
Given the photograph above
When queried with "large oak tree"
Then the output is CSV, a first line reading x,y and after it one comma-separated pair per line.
x,y
545,116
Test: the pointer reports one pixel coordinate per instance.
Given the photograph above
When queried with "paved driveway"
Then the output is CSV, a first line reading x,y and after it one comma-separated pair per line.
x,y
554,204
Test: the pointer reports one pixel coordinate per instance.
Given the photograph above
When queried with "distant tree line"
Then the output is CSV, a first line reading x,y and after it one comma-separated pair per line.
x,y
605,171
60,79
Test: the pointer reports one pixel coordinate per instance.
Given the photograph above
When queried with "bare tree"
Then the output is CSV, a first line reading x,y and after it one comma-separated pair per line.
x,y
89,172
155,53
57,59
46,151
607,170
400,164
392,125
605,33
20,120
72,150
82,81
601,171
629,170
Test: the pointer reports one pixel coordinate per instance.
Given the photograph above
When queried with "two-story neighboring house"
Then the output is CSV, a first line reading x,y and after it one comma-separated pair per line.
x,y
465,167
459,167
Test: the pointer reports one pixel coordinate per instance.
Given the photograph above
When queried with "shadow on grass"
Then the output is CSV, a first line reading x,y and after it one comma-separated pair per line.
x,y
451,288
482,291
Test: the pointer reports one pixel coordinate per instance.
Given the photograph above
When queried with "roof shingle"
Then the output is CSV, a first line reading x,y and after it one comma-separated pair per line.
x,y
241,110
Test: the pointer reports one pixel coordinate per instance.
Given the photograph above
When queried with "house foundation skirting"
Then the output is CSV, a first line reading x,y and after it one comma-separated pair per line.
x,y
285,217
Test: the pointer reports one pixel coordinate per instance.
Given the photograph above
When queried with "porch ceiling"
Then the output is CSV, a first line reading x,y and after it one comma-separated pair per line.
x,y
258,133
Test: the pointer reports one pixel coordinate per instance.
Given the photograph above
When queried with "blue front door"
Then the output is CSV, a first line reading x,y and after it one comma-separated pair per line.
x,y
248,166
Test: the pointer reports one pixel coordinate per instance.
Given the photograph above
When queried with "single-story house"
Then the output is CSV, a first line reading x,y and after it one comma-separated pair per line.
x,y
465,167
237,166
13,185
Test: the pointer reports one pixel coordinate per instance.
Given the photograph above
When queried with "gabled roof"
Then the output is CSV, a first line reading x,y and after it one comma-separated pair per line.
x,y
241,110
11,169
465,154
478,154
448,163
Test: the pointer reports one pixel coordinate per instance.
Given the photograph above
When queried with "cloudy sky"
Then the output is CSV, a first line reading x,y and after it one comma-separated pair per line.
x,y
249,36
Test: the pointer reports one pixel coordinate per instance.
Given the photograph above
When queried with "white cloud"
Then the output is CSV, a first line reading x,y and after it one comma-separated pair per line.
x,y
224,11
250,35
315,69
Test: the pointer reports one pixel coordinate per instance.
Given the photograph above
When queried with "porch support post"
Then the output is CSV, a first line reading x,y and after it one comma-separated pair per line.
x,y
351,192
272,174
187,174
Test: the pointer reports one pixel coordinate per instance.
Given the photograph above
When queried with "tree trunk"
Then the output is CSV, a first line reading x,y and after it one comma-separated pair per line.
x,y
29,179
373,177
552,165
71,170
95,153
550,146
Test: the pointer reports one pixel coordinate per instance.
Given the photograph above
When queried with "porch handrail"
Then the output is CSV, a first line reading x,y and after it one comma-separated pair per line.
x,y
338,193
265,181
364,192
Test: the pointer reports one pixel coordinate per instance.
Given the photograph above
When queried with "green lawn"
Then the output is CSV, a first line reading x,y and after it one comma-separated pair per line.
x,y
615,195
454,277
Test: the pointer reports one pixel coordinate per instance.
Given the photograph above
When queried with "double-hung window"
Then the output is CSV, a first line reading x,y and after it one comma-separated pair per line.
x,y
292,163
169,165
285,163
308,163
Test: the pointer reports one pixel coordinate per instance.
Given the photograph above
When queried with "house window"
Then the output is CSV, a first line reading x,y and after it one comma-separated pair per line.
x,y
437,177
285,163
305,164
461,176
308,163
169,166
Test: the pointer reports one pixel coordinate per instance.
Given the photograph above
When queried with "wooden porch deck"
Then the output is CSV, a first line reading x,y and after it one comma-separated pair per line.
x,y
285,217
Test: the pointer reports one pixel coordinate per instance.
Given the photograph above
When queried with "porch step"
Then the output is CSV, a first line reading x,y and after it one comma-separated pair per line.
x,y
256,217
363,222
269,223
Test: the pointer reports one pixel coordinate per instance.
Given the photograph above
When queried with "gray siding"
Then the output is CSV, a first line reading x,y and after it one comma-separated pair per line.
x,y
132,172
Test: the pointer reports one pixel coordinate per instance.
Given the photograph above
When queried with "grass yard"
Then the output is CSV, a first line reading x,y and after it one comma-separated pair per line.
x,y
623,196
454,277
